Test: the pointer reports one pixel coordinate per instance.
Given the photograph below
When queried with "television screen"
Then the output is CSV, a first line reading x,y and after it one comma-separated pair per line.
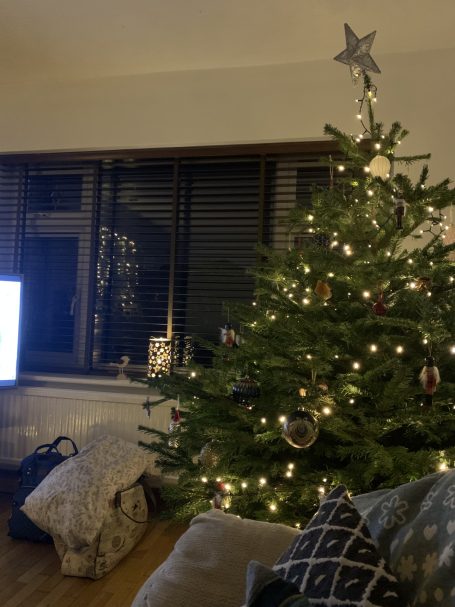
x,y
10,313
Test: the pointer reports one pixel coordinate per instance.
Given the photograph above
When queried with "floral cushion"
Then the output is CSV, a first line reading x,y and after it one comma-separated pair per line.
x,y
414,526
73,500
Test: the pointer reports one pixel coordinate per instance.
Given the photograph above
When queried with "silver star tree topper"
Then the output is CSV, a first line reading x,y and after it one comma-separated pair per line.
x,y
357,54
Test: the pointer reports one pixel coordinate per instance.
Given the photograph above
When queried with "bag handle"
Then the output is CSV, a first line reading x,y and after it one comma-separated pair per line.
x,y
48,446
59,439
54,446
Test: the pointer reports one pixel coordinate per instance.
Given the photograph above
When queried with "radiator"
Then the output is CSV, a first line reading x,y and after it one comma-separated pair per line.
x,y
33,414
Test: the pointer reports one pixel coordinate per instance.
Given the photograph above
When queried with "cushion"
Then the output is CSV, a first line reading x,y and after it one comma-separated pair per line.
x,y
73,500
334,561
264,588
414,526
207,567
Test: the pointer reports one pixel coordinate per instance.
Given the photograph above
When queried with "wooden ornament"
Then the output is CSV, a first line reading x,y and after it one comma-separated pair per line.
x,y
322,290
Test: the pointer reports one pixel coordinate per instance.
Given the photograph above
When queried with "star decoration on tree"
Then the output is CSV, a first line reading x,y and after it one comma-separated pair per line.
x,y
357,54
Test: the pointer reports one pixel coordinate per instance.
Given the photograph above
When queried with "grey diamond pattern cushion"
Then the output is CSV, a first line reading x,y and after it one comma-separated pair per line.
x,y
334,561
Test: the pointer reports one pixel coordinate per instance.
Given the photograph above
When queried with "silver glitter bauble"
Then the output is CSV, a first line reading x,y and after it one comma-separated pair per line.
x,y
300,429
209,456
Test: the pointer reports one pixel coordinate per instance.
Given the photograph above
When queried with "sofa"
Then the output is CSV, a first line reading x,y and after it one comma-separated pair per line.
x,y
388,548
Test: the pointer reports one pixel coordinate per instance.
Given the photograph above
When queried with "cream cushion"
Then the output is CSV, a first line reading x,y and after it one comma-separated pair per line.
x,y
207,567
73,500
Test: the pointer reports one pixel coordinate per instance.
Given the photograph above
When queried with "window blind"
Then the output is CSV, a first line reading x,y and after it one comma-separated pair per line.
x,y
119,249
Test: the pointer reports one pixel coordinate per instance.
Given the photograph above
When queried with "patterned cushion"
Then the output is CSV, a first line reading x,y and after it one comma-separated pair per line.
x,y
264,588
414,527
334,561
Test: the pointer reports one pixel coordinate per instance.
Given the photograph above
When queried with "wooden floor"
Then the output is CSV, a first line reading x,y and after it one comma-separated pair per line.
x,y
30,573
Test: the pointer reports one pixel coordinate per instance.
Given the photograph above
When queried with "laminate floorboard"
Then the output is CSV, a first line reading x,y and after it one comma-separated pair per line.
x,y
30,573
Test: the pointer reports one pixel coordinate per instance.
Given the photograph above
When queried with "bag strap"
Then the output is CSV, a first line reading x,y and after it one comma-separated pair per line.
x,y
59,439
48,446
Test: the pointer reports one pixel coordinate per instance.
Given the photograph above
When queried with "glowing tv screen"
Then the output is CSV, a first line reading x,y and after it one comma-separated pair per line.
x,y
10,315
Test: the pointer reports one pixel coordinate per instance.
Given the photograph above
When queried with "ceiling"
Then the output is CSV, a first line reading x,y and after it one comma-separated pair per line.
x,y
61,39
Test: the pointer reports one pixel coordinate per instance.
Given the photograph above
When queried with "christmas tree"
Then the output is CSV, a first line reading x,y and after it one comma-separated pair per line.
x,y
346,369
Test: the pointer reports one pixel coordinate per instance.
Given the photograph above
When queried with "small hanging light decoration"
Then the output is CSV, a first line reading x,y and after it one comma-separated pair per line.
x,y
380,167
160,357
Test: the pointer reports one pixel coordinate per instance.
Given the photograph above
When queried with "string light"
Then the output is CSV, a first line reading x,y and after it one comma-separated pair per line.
x,y
452,349
288,473
356,365
373,348
273,507
366,294
282,419
244,485
327,411
262,481
399,349
351,401
442,466
263,420
204,479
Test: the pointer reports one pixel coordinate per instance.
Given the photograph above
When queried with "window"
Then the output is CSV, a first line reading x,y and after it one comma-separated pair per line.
x,y
116,250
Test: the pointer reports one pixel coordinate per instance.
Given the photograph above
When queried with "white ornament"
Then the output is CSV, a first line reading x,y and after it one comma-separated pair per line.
x,y
380,167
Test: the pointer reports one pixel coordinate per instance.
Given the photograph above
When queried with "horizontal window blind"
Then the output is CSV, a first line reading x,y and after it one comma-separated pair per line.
x,y
117,250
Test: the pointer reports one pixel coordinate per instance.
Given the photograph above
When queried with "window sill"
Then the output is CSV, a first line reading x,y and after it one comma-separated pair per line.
x,y
85,387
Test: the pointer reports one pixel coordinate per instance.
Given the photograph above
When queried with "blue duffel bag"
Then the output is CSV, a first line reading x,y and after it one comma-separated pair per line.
x,y
32,470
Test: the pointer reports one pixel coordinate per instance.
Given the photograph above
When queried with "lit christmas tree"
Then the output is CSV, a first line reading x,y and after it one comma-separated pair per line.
x,y
346,370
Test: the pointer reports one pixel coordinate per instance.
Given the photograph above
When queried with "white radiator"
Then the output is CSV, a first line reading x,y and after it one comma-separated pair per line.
x,y
80,408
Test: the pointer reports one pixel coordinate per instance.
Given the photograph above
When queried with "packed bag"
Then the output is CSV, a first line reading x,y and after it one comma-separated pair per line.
x,y
32,470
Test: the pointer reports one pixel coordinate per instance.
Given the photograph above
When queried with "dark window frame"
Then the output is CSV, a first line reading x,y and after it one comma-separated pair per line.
x,y
178,158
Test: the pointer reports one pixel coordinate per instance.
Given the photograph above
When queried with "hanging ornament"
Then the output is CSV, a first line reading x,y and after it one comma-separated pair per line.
x,y
429,378
322,290
300,429
400,211
380,167
423,284
209,456
222,497
357,54
174,426
379,308
244,390
227,335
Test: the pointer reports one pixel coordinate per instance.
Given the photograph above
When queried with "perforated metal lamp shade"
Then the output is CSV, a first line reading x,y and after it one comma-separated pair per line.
x,y
160,357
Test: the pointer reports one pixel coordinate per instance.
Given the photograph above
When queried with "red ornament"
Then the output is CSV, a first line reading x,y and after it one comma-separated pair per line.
x,y
379,308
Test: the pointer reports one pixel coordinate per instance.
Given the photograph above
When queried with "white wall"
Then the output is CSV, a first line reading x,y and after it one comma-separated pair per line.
x,y
261,104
